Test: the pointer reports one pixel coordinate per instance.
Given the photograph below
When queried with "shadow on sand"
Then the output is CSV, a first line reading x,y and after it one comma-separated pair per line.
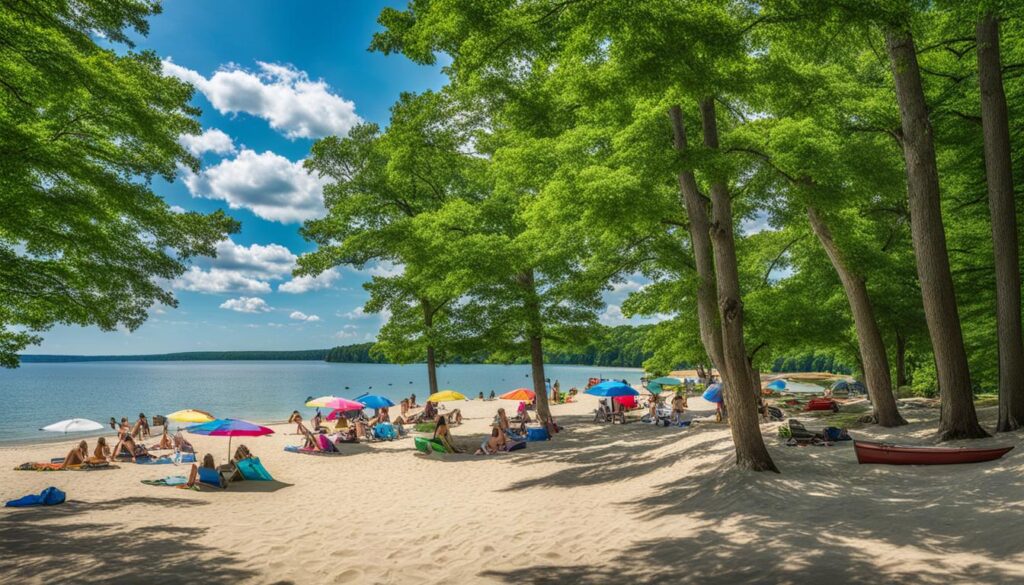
x,y
809,523
34,549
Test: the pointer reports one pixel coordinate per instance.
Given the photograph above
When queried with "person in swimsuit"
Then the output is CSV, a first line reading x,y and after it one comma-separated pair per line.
x,y
77,456
102,452
442,436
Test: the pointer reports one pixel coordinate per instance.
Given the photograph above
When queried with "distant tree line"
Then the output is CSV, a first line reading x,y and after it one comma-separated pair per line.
x,y
297,355
810,362
621,346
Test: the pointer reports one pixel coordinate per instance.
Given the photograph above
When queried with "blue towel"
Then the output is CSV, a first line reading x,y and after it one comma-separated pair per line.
x,y
153,460
47,497
292,448
252,469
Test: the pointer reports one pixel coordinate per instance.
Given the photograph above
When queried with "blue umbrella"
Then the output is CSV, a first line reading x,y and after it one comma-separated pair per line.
x,y
612,388
713,393
374,401
777,385
668,381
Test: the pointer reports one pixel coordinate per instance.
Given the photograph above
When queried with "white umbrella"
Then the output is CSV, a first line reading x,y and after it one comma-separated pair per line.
x,y
73,425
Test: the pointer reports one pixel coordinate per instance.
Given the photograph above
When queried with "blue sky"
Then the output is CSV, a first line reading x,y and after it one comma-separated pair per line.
x,y
271,77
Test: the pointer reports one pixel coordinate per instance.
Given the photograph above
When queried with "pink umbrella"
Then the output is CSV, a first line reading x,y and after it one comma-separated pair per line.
x,y
230,427
343,404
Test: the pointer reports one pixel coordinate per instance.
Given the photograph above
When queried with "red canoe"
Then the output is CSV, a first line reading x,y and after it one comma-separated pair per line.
x,y
908,455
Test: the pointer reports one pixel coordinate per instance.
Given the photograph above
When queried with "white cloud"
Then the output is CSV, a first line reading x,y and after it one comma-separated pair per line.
x,y
178,209
300,316
216,281
268,184
612,315
259,260
386,269
284,96
246,305
211,140
238,269
357,313
629,285
346,334
301,284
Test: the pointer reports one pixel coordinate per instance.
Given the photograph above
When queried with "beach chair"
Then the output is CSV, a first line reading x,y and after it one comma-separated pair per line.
x,y
385,431
428,446
211,477
251,469
799,435
602,415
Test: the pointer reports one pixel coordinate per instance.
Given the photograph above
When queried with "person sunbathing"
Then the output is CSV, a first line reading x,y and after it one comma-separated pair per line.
x,y
505,426
455,417
102,452
165,441
442,436
295,418
181,444
77,456
493,444
126,446
311,443
193,476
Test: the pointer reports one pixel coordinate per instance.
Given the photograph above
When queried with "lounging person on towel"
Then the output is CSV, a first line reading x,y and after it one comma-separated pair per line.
x,y
455,417
193,476
442,436
165,441
505,426
311,443
181,444
125,446
493,444
77,456
102,452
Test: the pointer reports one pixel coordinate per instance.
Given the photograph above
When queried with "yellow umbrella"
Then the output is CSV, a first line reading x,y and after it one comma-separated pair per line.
x,y
191,416
445,396
320,402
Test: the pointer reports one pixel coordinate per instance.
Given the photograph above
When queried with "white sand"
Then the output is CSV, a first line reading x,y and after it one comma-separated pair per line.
x,y
599,504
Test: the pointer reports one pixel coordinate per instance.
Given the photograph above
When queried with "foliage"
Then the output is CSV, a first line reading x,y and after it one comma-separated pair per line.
x,y
83,130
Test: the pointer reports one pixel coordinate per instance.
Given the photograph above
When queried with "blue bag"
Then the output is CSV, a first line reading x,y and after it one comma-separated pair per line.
x,y
48,497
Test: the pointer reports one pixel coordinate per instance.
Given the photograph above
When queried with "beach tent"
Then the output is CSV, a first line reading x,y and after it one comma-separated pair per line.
x,y
777,385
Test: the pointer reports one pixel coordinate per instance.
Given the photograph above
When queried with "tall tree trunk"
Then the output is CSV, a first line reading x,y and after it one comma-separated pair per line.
x,y
696,206
901,360
999,173
751,452
428,322
536,336
874,361
958,419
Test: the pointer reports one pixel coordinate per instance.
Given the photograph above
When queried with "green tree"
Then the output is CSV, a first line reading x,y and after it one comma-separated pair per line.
x,y
83,129
382,182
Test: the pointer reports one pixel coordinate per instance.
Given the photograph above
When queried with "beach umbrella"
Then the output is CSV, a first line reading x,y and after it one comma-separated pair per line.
x,y
612,388
191,415
522,394
668,381
445,396
777,385
230,428
713,393
343,404
73,425
319,402
374,401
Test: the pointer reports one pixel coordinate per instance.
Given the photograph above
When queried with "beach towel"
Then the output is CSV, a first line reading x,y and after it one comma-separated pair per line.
x,y
48,497
180,457
170,480
539,434
516,446
153,460
304,451
385,431
252,469
56,466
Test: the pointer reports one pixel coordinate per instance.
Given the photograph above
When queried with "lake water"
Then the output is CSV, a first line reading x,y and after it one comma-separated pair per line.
x,y
36,395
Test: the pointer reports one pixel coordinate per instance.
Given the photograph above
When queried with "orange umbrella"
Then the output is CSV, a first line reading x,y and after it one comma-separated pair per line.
x,y
522,394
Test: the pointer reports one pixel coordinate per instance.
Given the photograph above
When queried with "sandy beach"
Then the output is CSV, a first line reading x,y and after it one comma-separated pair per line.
x,y
599,504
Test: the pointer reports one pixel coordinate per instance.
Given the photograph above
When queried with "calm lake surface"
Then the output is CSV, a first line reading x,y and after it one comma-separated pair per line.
x,y
36,395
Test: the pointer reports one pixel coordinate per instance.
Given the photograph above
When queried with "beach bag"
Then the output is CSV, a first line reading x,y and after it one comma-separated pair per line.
x,y
540,434
775,413
48,497
836,434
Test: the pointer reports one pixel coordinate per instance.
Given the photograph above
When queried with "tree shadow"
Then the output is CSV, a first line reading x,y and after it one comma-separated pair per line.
x,y
32,549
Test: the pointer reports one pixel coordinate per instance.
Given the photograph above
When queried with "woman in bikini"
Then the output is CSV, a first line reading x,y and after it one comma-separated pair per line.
x,y
101,453
442,436
165,441
77,456
493,444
